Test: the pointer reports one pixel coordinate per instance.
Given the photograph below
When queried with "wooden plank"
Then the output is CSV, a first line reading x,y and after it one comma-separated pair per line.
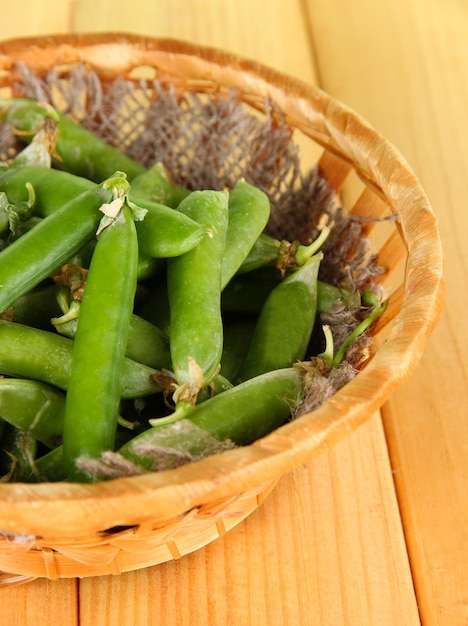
x,y
409,77
255,30
266,570
326,547
41,602
29,17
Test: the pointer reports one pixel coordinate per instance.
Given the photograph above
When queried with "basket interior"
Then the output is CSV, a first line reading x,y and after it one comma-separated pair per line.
x,y
325,161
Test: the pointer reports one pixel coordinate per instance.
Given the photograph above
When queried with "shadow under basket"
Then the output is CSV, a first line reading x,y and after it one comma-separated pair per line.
x,y
60,530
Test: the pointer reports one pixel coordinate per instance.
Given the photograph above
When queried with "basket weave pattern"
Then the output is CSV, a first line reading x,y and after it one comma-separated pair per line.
x,y
67,530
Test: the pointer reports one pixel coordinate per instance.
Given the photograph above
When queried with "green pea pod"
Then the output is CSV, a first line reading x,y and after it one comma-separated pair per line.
x,y
329,295
48,467
33,407
156,184
163,233
285,323
150,268
94,388
82,258
35,308
52,188
247,293
237,336
217,385
249,211
16,217
284,255
194,288
156,308
239,415
264,252
51,467
23,227
4,222
22,350
81,152
146,344
39,252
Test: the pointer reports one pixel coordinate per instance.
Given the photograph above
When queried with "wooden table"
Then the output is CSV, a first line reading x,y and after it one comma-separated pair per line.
x,y
375,532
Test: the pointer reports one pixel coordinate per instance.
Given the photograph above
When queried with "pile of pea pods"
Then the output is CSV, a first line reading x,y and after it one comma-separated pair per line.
x,y
142,324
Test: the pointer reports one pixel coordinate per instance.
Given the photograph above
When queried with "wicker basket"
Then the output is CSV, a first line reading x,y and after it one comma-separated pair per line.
x,y
67,530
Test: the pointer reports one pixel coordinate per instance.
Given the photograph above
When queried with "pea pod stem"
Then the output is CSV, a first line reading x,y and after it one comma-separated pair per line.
x,y
40,150
303,253
205,389
284,255
371,317
11,214
328,353
67,323
335,358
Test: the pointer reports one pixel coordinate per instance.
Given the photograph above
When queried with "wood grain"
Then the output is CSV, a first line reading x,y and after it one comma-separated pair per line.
x,y
328,546
270,31
42,603
30,17
418,59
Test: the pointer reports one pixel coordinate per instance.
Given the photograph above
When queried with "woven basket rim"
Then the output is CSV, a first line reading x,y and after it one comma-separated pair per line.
x,y
344,132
